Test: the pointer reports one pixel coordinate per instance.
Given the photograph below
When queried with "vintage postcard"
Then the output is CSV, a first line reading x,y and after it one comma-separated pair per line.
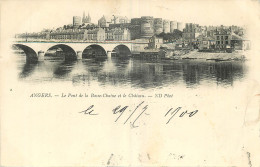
x,y
130,83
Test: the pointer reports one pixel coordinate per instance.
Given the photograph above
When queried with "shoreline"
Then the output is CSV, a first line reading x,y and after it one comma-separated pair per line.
x,y
236,55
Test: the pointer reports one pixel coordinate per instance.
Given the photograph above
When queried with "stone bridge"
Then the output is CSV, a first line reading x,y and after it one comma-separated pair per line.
x,y
35,51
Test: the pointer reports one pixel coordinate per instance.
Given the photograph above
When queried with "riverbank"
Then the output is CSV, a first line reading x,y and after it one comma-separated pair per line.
x,y
236,55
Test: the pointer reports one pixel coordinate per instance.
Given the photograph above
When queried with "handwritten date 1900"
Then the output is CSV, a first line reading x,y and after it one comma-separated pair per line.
x,y
136,112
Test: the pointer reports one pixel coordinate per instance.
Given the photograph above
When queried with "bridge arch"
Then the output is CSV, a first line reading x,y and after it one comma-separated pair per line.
x,y
121,51
94,51
66,51
31,55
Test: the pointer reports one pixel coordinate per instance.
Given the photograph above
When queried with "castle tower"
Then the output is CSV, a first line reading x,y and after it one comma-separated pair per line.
x,y
166,26
147,29
158,26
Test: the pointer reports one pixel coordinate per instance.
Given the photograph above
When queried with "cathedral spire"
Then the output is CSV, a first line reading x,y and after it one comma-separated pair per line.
x,y
88,19
83,18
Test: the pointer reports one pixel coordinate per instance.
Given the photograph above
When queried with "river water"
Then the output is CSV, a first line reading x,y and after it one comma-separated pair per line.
x,y
134,73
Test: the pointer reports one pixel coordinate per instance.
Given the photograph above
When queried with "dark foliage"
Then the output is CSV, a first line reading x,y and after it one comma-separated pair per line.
x,y
170,37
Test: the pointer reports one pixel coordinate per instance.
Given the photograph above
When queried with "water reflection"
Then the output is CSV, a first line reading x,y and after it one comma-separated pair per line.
x,y
221,72
63,69
137,73
27,70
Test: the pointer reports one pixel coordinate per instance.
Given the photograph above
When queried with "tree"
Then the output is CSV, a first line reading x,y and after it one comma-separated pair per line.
x,y
170,37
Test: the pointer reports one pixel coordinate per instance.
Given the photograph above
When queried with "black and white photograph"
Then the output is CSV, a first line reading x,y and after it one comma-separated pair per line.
x,y
129,83
141,52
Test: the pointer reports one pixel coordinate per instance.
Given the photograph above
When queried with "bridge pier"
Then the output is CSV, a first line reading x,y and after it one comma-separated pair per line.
x,y
79,55
109,54
41,55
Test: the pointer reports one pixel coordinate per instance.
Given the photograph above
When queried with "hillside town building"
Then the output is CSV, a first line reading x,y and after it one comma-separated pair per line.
x,y
147,28
155,42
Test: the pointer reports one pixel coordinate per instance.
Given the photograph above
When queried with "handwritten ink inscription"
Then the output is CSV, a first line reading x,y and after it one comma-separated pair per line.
x,y
134,114
120,110
172,113
89,111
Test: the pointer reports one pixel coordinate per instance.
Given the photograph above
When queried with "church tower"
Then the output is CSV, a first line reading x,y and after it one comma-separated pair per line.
x,y
88,19
83,18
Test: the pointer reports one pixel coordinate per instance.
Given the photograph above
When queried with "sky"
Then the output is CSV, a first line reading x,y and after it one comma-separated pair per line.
x,y
33,16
